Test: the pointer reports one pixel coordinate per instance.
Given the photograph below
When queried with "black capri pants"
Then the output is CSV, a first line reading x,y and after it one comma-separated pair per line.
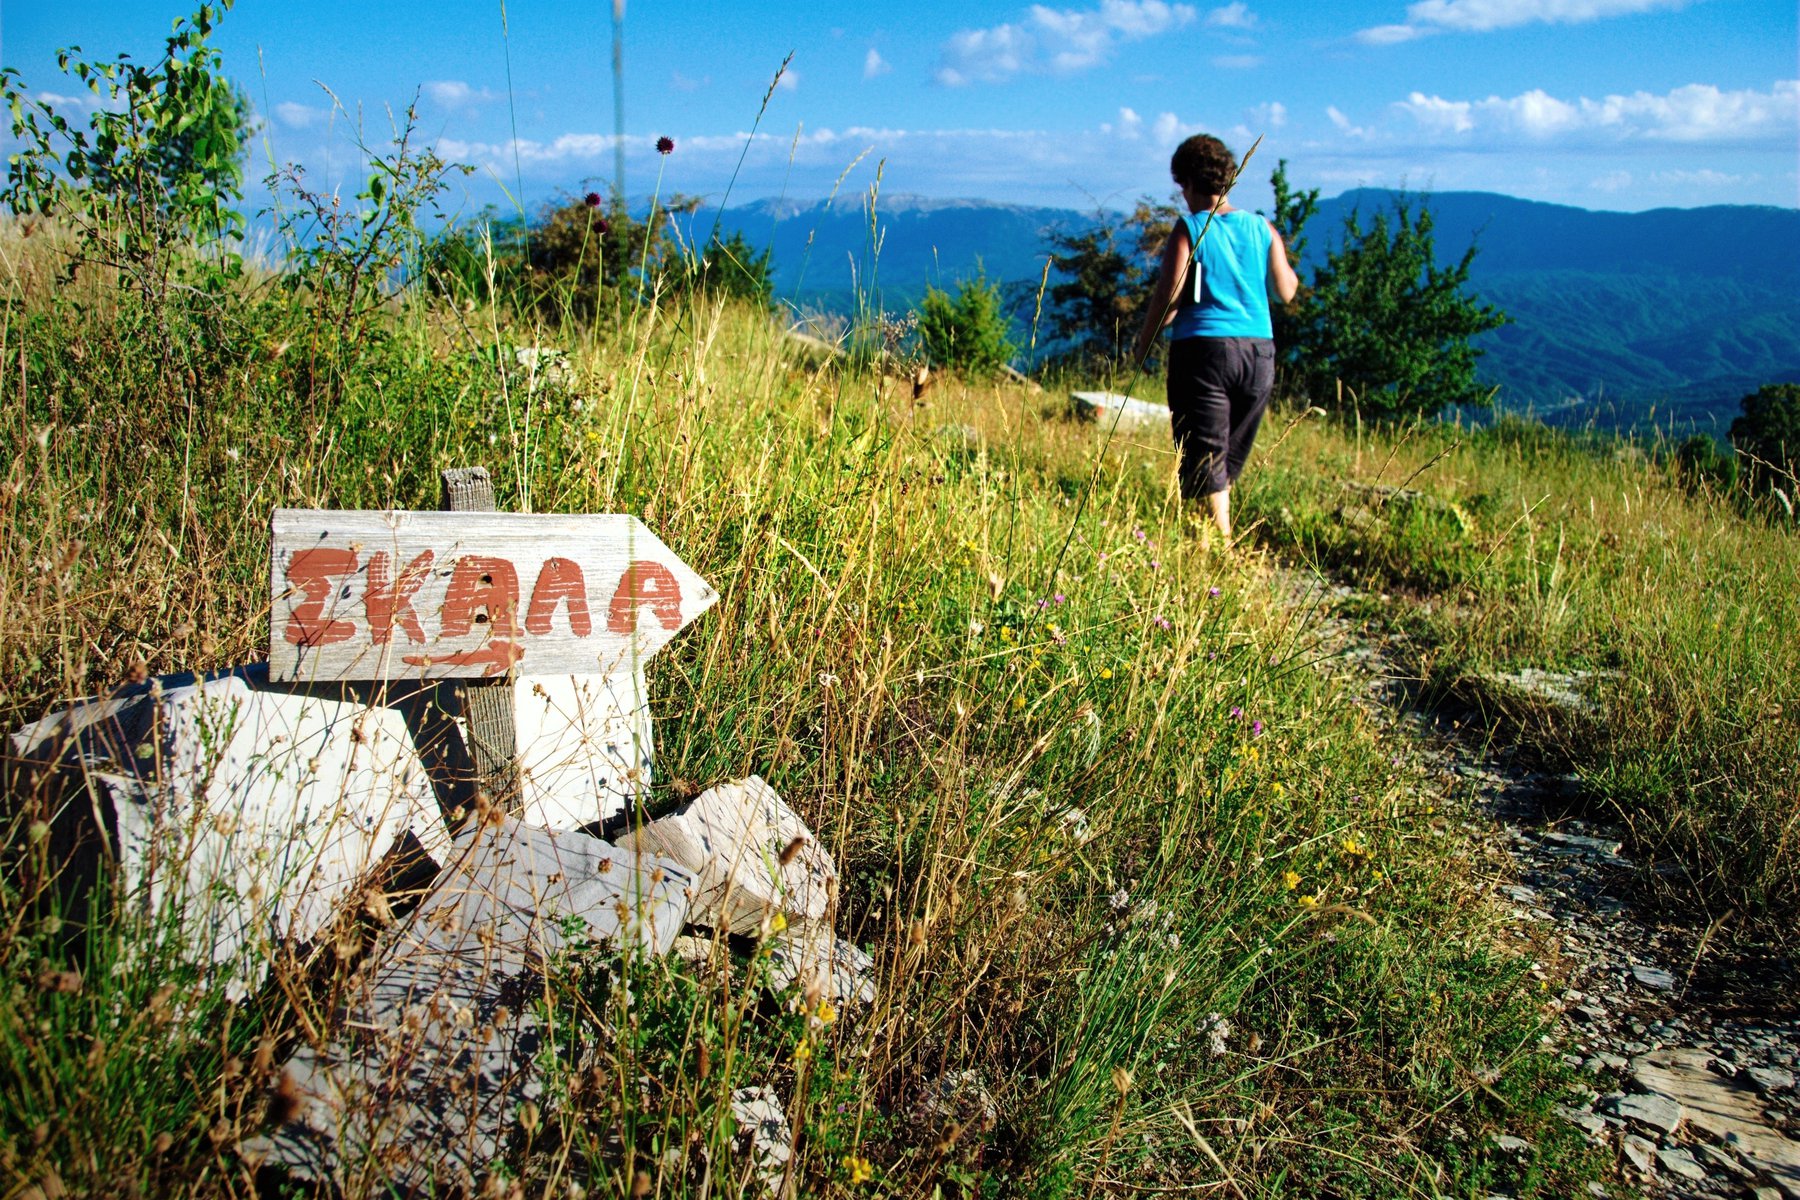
x,y
1218,389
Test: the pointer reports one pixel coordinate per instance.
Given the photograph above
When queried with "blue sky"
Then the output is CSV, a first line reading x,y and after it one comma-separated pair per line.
x,y
1618,104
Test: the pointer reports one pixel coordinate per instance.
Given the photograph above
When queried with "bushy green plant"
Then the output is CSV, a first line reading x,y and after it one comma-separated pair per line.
x,y
968,331
729,267
1767,436
1700,463
1106,271
160,162
1386,320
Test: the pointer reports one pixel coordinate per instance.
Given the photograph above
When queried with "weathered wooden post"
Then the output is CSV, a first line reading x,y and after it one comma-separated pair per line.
x,y
487,705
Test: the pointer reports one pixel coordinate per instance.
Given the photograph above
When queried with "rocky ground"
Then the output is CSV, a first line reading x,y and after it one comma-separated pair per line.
x,y
1690,1034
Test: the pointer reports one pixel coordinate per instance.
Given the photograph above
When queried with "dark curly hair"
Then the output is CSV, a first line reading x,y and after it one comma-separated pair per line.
x,y
1204,162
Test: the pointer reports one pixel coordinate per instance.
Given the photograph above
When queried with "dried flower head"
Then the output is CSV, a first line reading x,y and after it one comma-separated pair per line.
x,y
593,199
665,145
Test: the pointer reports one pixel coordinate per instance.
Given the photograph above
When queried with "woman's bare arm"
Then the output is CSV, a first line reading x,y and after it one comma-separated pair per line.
x,y
1283,283
1177,255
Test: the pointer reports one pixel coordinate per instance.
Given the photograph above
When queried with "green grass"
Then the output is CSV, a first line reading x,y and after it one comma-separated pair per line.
x,y
923,649
1522,547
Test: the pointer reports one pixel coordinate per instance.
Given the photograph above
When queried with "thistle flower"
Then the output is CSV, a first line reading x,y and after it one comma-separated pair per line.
x,y
665,145
593,199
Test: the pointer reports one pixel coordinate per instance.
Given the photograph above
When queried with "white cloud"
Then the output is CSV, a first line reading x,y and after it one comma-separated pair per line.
x,y
1612,181
1343,124
788,81
1705,177
454,93
1236,15
1483,16
1388,35
1696,113
1272,115
683,83
1130,126
1055,40
874,64
1237,62
297,116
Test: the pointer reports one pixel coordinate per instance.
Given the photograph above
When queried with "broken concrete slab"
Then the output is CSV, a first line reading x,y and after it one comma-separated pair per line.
x,y
241,814
1126,414
440,1046
810,956
765,1141
752,856
585,746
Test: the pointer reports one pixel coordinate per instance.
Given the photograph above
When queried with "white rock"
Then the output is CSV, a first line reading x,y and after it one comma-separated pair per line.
x,y
1130,414
1652,1111
733,839
810,954
766,1142
1678,1161
585,746
263,810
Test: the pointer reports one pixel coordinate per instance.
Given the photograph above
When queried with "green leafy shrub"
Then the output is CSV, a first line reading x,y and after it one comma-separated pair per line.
x,y
1767,436
1700,463
728,268
1386,321
968,330
160,163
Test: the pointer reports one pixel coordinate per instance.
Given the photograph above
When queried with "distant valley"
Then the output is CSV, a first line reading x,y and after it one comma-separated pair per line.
x,y
1619,319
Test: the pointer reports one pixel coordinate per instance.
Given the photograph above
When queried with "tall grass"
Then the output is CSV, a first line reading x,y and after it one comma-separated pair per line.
x,y
1530,548
1152,902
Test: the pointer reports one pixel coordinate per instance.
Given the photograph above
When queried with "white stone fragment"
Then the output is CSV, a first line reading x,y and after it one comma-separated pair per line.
x,y
733,838
585,746
264,811
1130,414
810,955
766,1142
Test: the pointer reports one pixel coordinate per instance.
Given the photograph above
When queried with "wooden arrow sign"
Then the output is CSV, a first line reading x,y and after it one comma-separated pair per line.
x,y
434,595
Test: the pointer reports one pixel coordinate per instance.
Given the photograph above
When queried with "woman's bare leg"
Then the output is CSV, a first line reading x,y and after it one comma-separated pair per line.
x,y
1220,505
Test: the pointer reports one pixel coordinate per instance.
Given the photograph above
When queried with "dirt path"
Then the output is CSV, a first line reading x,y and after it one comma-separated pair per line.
x,y
1692,1039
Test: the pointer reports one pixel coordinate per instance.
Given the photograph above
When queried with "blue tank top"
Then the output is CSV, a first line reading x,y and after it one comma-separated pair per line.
x,y
1231,297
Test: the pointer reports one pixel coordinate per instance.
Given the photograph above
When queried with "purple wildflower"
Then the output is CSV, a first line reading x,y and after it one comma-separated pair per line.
x,y
1212,591
1059,597
1138,534
1256,728
593,199
665,145
1043,603
1236,712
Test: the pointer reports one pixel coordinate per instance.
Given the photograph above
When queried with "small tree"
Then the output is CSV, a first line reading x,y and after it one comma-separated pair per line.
x,y
1293,209
968,331
1699,463
729,268
160,163
1107,271
1767,437
1383,318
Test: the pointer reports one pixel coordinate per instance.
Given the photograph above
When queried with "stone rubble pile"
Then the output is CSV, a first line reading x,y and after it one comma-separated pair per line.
x,y
254,818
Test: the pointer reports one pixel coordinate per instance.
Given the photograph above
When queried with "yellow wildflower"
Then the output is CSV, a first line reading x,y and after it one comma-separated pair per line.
x,y
1311,901
859,1169
1290,880
1018,702
825,1013
1106,672
1354,847
802,1052
778,922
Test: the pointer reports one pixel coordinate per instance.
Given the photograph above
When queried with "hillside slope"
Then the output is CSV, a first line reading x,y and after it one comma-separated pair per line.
x,y
1617,316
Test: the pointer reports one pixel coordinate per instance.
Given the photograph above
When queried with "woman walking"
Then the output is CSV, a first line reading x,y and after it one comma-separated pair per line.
x,y
1222,360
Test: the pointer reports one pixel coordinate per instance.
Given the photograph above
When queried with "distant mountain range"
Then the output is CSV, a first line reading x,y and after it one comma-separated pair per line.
x,y
1618,318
